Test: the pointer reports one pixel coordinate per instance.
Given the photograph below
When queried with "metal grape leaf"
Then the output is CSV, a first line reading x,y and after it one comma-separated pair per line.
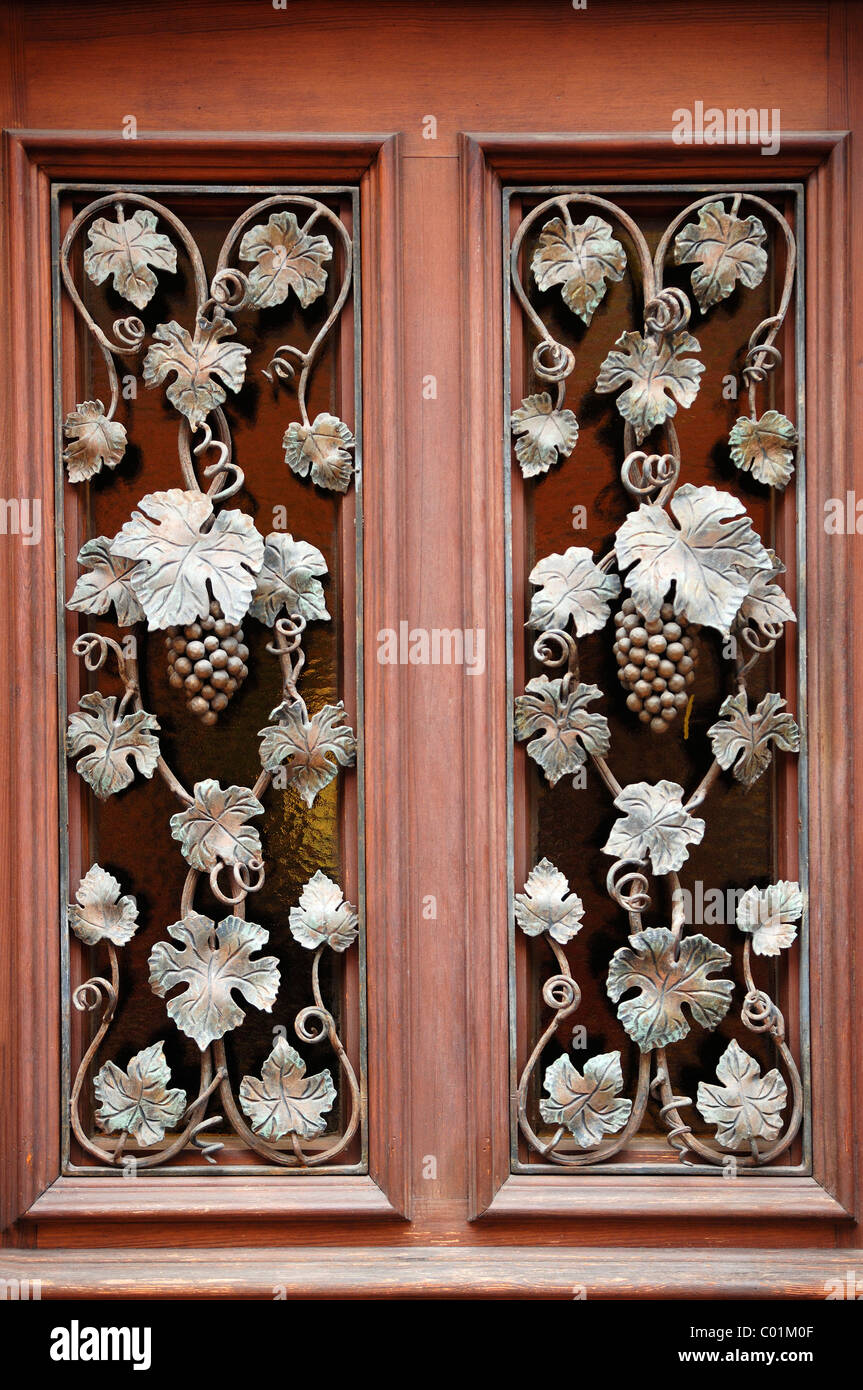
x,y
113,743
709,558
572,587
127,249
565,731
323,916
287,580
658,375
724,249
546,905
287,259
655,1018
211,962
769,914
99,913
744,741
285,1100
137,1101
580,258
545,434
587,1103
654,826
179,552
310,749
106,582
321,448
203,365
765,447
765,603
94,441
747,1105
213,829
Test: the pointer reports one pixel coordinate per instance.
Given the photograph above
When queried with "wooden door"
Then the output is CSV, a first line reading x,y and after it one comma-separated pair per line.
x,y
447,124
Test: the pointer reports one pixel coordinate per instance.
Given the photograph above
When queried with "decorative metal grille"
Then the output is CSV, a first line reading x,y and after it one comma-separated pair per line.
x,y
193,567
685,562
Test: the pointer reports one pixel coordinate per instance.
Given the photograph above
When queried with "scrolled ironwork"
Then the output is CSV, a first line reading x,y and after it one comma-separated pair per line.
x,y
185,559
689,558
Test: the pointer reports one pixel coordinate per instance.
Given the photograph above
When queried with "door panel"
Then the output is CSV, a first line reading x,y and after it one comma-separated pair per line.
x,y
440,1187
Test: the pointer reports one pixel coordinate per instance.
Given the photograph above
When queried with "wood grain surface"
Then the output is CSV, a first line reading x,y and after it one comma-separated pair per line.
x,y
559,95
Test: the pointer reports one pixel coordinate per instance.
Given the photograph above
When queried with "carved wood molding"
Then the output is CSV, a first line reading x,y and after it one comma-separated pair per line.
x,y
820,159
33,159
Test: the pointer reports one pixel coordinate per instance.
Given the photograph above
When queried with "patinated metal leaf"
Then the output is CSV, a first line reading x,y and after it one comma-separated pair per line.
x,y
572,587
211,962
287,259
137,1101
766,604
323,917
654,826
547,905
106,582
203,366
769,914
765,448
127,249
287,581
687,558
589,1104
94,441
668,975
285,1100
658,374
309,749
113,743
710,558
99,913
179,553
744,741
322,449
724,249
746,1105
544,434
580,258
562,729
213,829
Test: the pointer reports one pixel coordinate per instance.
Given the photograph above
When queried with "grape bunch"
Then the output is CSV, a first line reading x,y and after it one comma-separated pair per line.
x,y
207,660
657,663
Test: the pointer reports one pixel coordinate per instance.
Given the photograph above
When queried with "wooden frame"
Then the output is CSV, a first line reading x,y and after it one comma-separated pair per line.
x,y
368,1272
508,1237
32,1186
489,161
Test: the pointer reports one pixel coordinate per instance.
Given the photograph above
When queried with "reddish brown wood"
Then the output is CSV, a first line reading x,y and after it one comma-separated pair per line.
x,y
606,1196
386,724
821,159
29,953
31,831
218,157
101,1199
511,66
438,1075
424,1272
833,575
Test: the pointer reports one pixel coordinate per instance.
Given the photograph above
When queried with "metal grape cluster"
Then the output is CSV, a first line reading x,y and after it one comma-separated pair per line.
x,y
187,565
690,559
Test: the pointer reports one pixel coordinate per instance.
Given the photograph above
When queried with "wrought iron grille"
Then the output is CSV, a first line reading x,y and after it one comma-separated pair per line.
x,y
685,568
190,570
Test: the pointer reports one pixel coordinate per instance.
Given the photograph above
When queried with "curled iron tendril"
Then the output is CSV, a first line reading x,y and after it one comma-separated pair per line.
x,y
241,876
